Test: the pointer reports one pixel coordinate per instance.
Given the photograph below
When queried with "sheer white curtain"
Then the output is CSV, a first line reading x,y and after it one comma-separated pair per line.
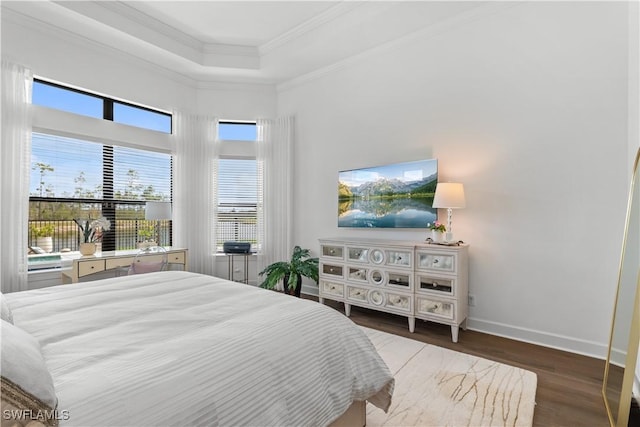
x,y
15,158
194,197
275,170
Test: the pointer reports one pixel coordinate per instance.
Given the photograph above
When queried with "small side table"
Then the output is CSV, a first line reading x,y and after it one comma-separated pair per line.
x,y
230,259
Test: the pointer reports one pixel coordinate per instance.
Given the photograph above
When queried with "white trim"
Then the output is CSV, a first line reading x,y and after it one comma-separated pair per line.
x,y
545,339
319,20
49,30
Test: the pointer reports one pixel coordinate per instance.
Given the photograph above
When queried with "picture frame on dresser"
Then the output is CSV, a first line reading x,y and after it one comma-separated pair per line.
x,y
417,280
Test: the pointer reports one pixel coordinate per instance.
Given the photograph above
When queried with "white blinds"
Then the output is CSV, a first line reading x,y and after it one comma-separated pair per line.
x,y
71,168
64,167
237,182
141,175
237,200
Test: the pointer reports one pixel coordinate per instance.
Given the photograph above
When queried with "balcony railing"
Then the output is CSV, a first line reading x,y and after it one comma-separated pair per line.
x,y
67,237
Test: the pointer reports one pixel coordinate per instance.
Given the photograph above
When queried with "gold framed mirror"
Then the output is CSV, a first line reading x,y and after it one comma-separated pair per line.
x,y
620,365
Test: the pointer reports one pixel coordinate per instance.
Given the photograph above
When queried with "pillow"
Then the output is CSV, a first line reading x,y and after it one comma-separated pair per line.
x,y
5,311
26,384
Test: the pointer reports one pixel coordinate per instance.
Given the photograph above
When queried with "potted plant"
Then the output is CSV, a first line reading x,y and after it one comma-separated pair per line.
x,y
44,236
291,272
437,231
146,233
92,231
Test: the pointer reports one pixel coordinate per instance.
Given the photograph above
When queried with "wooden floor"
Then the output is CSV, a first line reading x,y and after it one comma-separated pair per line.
x,y
569,385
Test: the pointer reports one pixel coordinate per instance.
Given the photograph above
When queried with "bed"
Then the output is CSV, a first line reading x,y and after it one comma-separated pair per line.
x,y
179,348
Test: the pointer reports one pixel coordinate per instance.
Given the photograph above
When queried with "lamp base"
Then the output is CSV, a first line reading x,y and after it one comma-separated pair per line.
x,y
448,237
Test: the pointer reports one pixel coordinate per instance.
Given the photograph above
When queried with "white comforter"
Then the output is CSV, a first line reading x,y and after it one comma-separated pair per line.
x,y
176,348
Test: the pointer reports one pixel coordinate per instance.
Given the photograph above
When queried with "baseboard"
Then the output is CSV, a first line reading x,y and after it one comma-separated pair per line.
x,y
309,290
545,339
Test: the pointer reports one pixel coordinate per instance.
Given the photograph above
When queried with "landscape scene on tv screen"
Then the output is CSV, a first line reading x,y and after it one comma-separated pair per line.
x,y
392,196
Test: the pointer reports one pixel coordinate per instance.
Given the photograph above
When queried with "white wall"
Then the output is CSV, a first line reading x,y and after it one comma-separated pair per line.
x,y
526,104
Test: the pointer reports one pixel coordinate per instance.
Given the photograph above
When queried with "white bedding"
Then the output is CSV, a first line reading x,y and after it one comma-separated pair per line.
x,y
177,348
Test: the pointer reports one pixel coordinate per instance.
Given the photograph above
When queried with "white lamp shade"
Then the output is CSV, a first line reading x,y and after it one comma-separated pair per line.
x,y
449,195
157,210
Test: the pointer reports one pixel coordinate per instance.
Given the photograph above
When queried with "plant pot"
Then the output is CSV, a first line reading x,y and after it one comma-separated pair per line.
x,y
295,291
146,244
45,243
437,236
87,248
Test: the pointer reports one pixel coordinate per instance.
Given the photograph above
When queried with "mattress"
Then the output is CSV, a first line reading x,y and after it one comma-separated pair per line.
x,y
179,348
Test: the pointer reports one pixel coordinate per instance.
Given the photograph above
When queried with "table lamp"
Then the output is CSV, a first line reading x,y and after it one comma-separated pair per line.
x,y
449,195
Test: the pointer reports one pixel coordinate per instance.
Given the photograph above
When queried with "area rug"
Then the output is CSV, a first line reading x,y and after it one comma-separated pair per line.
x,y
440,387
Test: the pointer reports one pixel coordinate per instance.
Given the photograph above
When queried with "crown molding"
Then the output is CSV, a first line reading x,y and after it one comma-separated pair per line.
x,y
126,12
33,16
42,26
209,54
129,20
233,86
323,18
430,31
231,56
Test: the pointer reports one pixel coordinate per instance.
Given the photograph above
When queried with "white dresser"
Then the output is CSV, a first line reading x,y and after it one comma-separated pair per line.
x,y
412,279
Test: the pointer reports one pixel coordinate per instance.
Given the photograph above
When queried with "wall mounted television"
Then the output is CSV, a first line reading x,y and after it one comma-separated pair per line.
x,y
398,195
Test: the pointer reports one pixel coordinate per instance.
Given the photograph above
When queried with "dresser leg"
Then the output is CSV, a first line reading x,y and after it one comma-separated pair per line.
x,y
412,324
347,309
321,300
454,333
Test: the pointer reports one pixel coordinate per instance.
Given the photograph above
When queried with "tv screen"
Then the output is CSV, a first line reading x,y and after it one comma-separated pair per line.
x,y
393,196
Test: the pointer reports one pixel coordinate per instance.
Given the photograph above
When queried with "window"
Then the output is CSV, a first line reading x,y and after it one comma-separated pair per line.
x,y
80,179
77,179
237,187
76,101
67,99
237,201
141,117
237,131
